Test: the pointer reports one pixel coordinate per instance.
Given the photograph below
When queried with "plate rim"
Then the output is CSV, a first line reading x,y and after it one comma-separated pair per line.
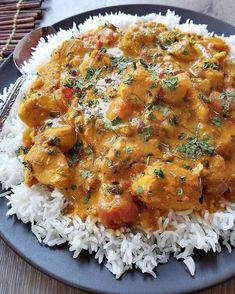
x,y
58,24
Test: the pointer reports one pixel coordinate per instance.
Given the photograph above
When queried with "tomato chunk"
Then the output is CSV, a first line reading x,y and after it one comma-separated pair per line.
x,y
68,92
117,213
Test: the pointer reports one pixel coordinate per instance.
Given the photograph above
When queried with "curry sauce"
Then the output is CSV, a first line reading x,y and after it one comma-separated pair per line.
x,y
131,122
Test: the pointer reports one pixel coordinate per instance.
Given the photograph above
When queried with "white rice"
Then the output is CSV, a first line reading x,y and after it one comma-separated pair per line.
x,y
179,233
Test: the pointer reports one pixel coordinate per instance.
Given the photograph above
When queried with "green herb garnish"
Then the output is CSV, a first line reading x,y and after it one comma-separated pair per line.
x,y
227,98
171,83
91,72
159,173
72,70
209,64
204,98
85,174
86,198
139,190
116,121
195,148
147,132
129,81
144,63
179,191
217,121
55,141
27,165
151,116
52,151
114,189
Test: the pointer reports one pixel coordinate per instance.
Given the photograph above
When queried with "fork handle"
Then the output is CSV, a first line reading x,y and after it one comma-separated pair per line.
x,y
6,107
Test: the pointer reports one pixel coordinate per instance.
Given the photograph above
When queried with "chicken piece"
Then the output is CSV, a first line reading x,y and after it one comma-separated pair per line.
x,y
97,60
138,86
218,44
119,108
215,78
116,211
27,136
125,152
216,181
140,35
70,52
48,166
32,113
175,88
63,137
37,108
167,66
183,51
166,186
107,36
202,85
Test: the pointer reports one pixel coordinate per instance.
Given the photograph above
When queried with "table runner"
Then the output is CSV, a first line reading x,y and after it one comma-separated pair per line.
x,y
17,18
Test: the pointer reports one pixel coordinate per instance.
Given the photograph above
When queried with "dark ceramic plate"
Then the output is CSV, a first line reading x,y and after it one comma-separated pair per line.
x,y
85,273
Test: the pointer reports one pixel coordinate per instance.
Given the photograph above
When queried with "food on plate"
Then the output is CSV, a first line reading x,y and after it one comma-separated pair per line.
x,y
126,124
129,137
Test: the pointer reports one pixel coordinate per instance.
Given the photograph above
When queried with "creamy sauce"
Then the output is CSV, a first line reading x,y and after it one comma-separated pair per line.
x,y
132,122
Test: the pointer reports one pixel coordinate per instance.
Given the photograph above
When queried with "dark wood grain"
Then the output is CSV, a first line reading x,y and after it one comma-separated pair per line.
x,y
18,277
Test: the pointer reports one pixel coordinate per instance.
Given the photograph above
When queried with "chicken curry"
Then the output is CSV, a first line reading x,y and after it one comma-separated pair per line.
x,y
131,122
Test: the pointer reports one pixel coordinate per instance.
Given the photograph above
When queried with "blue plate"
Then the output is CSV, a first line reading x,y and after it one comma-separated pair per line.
x,y
85,273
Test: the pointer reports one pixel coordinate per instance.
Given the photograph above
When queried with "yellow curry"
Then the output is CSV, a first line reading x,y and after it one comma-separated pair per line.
x,y
131,122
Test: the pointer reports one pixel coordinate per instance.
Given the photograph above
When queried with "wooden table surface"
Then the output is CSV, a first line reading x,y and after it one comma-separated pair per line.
x,y
18,277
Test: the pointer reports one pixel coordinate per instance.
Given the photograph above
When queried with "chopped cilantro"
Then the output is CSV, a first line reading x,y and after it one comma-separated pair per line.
x,y
162,109
52,151
204,98
27,165
179,191
121,63
144,63
195,148
91,72
103,50
217,121
183,179
187,166
70,83
73,70
171,83
209,64
55,141
139,190
147,132
108,125
129,149
227,98
129,81
159,173
85,174
108,161
151,116
24,149
73,159
86,198
116,121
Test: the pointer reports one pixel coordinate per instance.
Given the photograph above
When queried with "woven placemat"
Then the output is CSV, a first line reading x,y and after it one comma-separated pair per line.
x,y
17,18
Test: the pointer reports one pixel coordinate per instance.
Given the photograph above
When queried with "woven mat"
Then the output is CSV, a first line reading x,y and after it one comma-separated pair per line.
x,y
17,18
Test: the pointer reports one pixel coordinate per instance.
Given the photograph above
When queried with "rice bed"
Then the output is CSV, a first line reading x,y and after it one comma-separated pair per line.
x,y
127,249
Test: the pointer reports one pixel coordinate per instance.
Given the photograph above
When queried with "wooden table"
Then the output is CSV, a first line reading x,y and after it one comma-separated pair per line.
x,y
18,277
